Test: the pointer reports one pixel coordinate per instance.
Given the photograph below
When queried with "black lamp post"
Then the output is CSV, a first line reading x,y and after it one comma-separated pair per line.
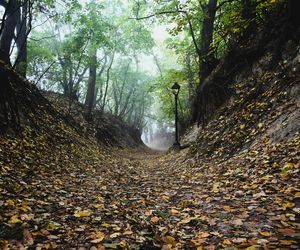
x,y
175,90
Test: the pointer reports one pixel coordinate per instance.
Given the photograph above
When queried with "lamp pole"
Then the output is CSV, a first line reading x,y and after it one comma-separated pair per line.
x,y
175,89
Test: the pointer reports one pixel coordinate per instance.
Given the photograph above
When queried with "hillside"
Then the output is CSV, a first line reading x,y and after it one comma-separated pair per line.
x,y
108,129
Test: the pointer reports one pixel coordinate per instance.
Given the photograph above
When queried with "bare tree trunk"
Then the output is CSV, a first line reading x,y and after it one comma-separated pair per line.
x,y
89,100
99,76
107,81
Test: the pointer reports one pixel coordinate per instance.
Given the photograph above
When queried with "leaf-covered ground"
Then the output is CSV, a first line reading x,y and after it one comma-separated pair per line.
x,y
239,189
83,198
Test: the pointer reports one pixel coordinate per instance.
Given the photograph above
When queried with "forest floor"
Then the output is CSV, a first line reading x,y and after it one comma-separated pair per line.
x,y
143,199
237,187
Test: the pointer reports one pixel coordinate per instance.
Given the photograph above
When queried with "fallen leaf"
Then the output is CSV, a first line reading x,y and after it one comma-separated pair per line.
x,y
97,237
155,219
27,238
227,242
127,233
79,214
265,233
286,230
237,222
169,240
148,213
14,220
203,235
252,248
239,240
287,204
52,225
111,245
287,242
115,235
10,203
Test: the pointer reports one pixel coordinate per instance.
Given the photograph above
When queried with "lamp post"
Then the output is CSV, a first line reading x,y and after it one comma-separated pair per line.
x,y
175,90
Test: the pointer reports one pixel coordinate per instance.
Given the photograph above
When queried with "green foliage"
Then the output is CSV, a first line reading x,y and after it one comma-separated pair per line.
x,y
101,28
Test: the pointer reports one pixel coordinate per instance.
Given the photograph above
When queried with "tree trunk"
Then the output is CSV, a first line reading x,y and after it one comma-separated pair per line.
x,y
107,81
206,38
9,114
205,56
89,100
21,41
249,14
8,30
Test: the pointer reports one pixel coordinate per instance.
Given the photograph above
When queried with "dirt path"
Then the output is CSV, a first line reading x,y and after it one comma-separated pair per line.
x,y
147,200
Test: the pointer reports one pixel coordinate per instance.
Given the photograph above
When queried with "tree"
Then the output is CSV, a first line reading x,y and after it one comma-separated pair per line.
x,y
92,20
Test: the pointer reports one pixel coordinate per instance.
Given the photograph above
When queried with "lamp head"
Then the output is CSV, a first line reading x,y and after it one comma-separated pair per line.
x,y
175,88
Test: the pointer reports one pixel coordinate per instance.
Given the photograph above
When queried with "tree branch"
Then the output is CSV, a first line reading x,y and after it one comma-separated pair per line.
x,y
193,34
42,75
158,14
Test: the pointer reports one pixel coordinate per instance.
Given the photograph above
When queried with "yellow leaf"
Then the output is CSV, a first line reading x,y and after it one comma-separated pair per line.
x,y
25,208
123,244
227,208
9,203
242,126
52,225
79,214
297,195
216,187
289,165
174,211
100,198
227,242
252,248
14,220
98,206
265,233
287,242
200,248
169,240
287,204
